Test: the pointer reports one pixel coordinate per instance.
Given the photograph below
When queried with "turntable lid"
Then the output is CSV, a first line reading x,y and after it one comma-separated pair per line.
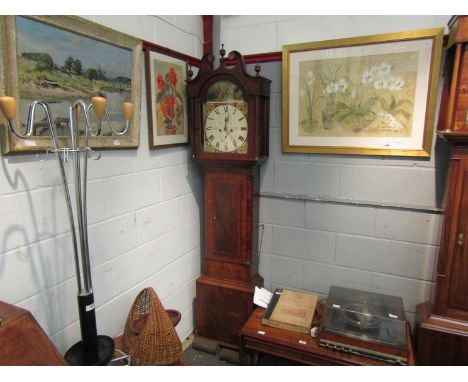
x,y
368,316
367,303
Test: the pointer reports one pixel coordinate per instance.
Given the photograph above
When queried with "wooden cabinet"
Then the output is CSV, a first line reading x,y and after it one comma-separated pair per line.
x,y
22,340
442,324
451,294
458,298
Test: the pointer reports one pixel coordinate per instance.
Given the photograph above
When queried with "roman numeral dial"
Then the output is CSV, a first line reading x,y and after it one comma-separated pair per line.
x,y
226,129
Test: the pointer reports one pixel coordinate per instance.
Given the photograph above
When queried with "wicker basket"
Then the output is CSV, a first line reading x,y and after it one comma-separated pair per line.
x,y
149,336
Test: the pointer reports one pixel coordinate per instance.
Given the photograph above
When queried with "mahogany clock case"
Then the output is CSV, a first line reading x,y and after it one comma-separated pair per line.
x,y
224,292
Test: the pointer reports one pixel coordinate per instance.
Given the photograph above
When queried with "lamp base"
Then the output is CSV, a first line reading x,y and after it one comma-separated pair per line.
x,y
75,356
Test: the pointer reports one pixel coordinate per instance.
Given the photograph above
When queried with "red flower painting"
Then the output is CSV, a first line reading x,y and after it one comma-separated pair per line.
x,y
167,106
172,75
169,101
160,81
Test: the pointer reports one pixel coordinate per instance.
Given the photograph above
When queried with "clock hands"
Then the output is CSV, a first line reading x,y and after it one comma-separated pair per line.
x,y
223,128
226,130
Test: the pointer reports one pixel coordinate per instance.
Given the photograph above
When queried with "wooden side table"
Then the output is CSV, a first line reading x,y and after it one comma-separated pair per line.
x,y
299,347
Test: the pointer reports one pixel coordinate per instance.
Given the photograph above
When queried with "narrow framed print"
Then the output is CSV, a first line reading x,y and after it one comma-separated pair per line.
x,y
372,95
166,96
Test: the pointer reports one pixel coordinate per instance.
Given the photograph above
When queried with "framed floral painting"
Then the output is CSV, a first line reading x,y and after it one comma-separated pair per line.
x,y
372,95
167,100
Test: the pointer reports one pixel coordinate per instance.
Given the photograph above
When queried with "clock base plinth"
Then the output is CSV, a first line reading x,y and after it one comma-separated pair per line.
x,y
439,341
222,307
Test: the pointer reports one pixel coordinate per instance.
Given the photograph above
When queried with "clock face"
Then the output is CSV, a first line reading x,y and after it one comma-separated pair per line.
x,y
226,128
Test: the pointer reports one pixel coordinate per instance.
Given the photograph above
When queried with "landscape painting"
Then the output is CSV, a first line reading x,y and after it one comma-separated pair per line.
x,y
60,67
61,59
372,95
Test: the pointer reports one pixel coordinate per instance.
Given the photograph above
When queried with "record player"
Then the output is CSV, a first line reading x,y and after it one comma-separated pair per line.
x,y
365,323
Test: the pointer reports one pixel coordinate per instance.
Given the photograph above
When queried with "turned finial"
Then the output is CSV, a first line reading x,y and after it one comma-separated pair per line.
x,y
257,69
222,51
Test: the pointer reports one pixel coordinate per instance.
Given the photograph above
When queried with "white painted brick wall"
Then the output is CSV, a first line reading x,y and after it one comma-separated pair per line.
x,y
413,227
340,231
143,220
272,32
304,244
282,270
386,256
403,185
306,178
356,220
282,212
319,277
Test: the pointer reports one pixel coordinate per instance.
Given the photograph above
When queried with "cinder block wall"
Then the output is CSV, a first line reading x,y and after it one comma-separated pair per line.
x,y
370,223
143,214
143,205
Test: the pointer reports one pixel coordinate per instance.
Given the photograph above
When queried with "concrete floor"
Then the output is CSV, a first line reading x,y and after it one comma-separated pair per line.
x,y
196,355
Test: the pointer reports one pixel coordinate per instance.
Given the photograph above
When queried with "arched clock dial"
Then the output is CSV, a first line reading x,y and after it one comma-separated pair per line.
x,y
226,129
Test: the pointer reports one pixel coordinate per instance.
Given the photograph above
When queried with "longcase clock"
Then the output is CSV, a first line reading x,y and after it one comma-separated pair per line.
x,y
229,115
442,323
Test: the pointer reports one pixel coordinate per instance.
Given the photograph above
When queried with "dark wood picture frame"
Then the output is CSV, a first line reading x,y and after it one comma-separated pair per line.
x,y
166,96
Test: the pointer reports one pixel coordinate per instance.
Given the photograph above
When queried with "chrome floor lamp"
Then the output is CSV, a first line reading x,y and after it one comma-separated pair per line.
x,y
93,349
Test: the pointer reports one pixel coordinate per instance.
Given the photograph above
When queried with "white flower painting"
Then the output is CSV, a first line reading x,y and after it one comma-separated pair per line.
x,y
367,95
358,96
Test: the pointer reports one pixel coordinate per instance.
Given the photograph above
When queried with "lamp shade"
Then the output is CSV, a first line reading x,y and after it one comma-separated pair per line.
x,y
8,106
99,106
127,110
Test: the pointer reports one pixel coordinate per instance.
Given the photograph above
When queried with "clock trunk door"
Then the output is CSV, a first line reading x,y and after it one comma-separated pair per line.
x,y
458,294
228,224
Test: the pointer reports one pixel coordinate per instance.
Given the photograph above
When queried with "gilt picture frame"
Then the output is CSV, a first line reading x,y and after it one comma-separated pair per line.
x,y
166,96
371,95
61,59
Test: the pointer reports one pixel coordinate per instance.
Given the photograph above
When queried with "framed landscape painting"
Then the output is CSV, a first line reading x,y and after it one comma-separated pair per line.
x,y
166,99
61,59
372,95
